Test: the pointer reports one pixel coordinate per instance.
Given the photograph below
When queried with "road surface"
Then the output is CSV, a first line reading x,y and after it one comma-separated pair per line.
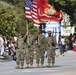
x,y
65,65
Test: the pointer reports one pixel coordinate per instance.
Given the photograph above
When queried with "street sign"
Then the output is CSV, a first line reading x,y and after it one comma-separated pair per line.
x,y
67,31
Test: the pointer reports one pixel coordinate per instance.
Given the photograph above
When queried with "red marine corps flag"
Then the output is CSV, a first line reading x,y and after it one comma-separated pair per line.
x,y
46,12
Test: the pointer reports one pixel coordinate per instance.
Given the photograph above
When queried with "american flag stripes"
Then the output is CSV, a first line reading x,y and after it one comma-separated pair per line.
x,y
31,11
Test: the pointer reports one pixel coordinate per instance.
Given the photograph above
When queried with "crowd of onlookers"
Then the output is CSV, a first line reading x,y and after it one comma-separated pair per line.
x,y
7,46
66,44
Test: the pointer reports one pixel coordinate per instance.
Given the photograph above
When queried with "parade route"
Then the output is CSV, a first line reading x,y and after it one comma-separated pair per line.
x,y
65,65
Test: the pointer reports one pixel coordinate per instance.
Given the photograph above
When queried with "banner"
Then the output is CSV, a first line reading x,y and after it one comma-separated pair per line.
x,y
67,31
46,12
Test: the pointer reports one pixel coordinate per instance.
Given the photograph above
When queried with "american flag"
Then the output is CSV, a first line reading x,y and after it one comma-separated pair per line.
x,y
31,11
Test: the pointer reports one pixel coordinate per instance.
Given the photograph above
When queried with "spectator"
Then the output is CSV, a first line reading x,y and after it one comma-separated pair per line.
x,y
60,46
70,42
12,51
1,46
63,44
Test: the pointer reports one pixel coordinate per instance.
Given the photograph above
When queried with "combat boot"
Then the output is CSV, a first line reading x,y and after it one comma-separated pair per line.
x,y
21,67
48,64
17,67
52,64
37,65
41,65
30,65
27,66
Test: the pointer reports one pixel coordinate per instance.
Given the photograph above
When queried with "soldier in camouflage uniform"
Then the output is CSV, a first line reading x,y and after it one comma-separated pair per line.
x,y
50,40
39,46
29,51
20,52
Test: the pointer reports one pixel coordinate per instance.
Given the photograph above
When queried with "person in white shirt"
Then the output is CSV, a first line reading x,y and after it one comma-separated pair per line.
x,y
63,44
1,45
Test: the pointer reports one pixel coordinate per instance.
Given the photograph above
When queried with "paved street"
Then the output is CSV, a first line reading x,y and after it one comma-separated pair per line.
x,y
65,65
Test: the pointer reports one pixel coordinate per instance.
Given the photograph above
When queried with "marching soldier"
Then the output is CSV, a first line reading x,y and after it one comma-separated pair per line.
x,y
20,52
40,49
29,51
50,49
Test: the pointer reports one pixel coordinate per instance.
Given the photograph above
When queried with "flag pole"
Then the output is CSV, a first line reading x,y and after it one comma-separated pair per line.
x,y
27,31
25,17
27,28
38,34
27,25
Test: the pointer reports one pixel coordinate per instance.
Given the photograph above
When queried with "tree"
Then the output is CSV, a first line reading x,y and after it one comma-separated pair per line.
x,y
8,21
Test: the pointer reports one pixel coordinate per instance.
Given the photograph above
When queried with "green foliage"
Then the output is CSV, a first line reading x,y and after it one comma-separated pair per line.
x,y
8,21
12,20
32,28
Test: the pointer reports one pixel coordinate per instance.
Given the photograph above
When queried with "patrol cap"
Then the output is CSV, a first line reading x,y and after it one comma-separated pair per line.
x,y
29,31
0,35
40,31
49,32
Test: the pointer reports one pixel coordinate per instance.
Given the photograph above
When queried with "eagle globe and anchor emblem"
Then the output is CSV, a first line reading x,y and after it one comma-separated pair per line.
x,y
50,11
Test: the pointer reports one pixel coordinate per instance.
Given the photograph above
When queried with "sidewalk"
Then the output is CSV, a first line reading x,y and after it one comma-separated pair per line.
x,y
67,52
3,60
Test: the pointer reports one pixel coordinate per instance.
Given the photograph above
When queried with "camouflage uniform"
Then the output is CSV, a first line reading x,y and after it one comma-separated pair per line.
x,y
29,51
50,40
20,53
40,50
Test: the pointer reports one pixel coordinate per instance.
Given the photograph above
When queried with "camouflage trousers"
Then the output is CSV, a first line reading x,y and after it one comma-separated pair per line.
x,y
51,55
20,57
29,55
39,55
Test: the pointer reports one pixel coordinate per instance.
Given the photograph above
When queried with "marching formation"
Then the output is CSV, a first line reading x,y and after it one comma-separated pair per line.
x,y
26,46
